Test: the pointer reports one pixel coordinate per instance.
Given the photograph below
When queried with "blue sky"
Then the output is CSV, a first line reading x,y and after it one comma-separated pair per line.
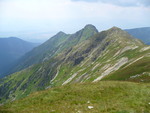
x,y
35,20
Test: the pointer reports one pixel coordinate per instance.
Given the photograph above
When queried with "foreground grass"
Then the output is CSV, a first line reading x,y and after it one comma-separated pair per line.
x,y
105,97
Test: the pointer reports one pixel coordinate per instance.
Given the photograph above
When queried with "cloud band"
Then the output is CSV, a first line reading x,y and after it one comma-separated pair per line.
x,y
125,3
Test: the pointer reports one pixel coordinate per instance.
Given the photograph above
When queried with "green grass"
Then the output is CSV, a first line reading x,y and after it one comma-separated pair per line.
x,y
105,97
100,49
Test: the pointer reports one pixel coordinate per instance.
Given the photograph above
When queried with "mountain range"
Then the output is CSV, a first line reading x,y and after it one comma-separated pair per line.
x,y
11,49
87,56
44,51
142,33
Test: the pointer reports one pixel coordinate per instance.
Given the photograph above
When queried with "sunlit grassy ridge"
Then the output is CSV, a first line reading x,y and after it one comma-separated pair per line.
x,y
104,97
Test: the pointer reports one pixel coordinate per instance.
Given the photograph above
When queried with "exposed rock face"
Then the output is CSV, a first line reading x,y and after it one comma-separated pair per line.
x,y
115,67
67,81
145,48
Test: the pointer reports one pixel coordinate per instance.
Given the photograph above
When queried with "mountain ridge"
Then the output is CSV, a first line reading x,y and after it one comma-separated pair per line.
x,y
54,45
91,60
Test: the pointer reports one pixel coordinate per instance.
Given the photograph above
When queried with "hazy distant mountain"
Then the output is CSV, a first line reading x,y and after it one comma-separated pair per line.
x,y
141,33
11,49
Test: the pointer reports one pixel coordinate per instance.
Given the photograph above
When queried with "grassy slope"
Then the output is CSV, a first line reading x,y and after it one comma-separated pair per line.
x,y
41,53
119,97
105,97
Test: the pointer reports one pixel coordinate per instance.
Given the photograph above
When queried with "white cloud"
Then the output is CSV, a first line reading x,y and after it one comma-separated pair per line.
x,y
31,9
126,3
68,16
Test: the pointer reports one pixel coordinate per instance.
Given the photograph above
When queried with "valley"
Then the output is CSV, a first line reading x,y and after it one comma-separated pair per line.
x,y
11,49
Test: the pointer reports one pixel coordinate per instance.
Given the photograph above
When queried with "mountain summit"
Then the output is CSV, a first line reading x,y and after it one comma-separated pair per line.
x,y
91,27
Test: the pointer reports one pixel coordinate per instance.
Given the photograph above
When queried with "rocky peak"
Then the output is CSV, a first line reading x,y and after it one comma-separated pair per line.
x,y
122,36
60,33
91,27
115,29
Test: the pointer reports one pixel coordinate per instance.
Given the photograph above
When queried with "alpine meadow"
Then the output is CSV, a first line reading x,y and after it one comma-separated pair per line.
x,y
84,68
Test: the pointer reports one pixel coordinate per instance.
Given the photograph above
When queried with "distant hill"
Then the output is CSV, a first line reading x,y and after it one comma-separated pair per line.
x,y
11,49
141,33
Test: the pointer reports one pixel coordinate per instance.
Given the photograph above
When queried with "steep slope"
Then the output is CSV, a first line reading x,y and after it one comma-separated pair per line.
x,y
105,53
11,49
40,53
53,46
88,61
141,33
86,98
